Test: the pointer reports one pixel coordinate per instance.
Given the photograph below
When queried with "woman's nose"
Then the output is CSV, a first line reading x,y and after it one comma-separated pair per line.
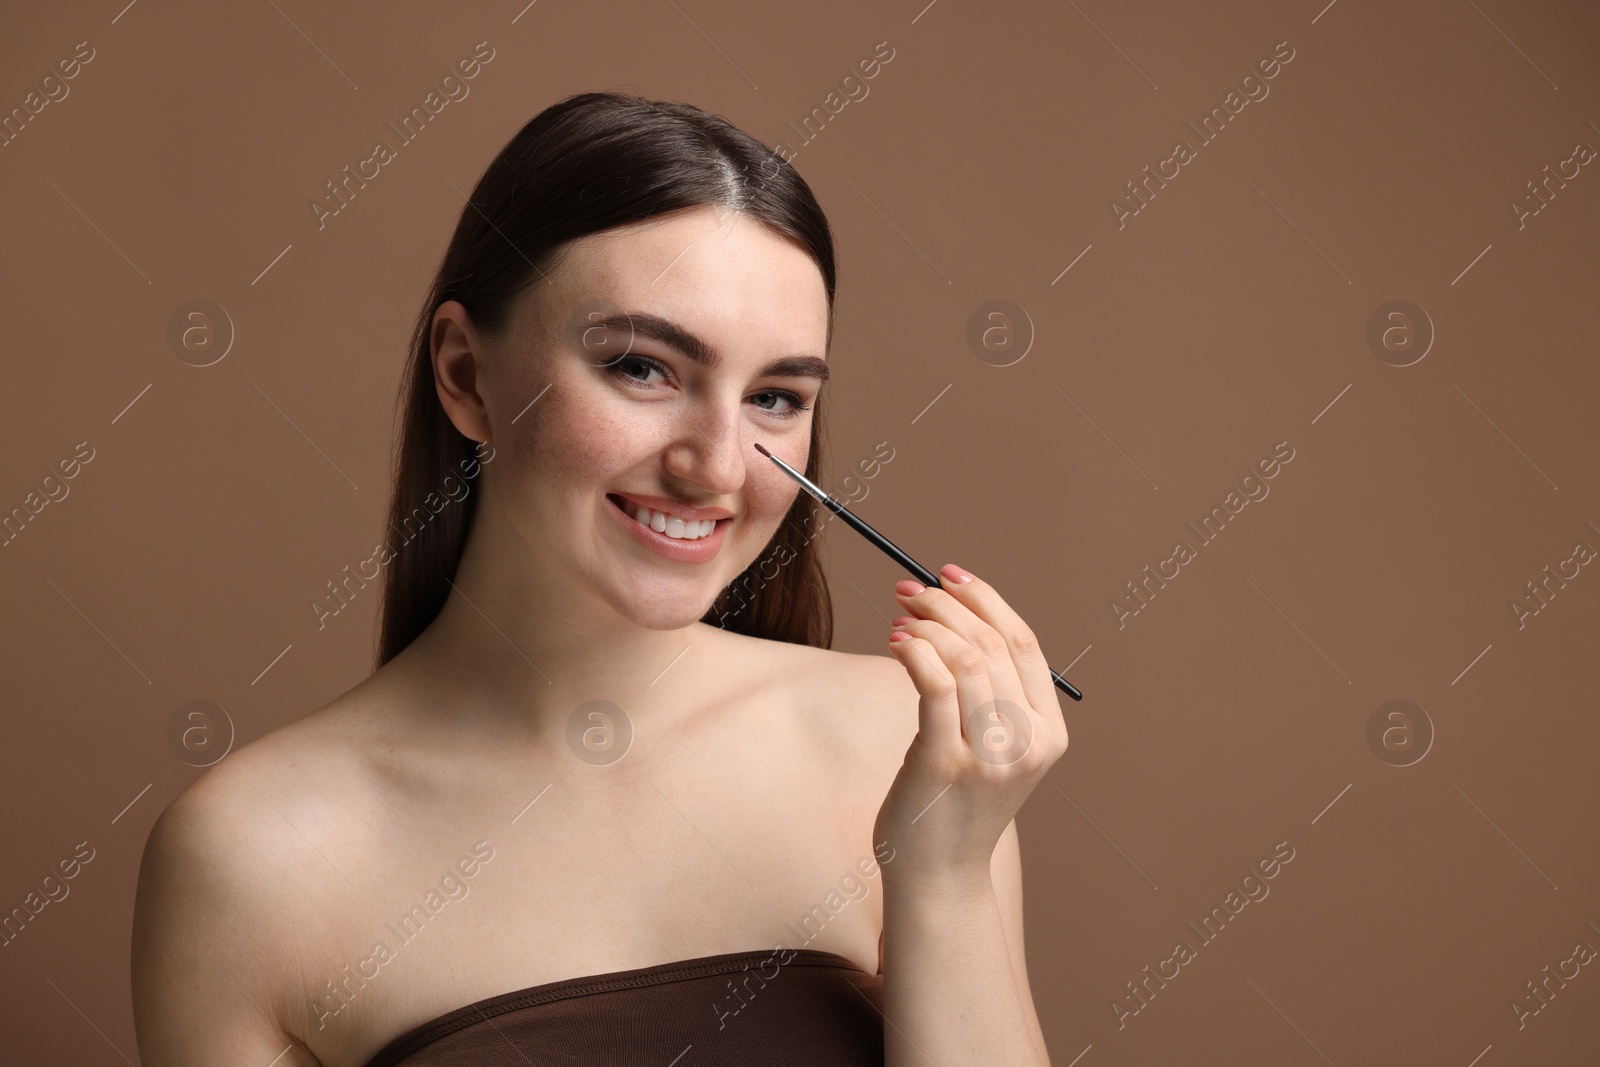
x,y
708,450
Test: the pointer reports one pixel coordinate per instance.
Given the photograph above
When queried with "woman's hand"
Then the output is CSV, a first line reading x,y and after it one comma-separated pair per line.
x,y
990,727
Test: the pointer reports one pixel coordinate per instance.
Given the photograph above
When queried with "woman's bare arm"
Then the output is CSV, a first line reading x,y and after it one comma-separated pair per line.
x,y
990,726
1006,871
955,986
203,972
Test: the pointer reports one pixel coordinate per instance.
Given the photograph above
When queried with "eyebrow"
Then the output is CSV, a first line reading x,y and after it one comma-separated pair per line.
x,y
674,336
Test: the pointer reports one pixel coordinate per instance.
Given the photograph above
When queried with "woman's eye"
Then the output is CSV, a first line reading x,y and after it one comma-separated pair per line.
x,y
795,406
621,365
625,367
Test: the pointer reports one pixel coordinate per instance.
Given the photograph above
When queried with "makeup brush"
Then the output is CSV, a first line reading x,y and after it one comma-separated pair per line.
x,y
922,574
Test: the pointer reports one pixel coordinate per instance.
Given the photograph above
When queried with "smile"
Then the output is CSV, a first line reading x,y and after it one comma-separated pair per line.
x,y
669,536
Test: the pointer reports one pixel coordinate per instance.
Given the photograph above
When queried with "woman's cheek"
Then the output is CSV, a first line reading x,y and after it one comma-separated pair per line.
x,y
561,427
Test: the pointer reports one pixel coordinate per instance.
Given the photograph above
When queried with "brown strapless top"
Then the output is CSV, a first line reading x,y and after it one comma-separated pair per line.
x,y
736,1008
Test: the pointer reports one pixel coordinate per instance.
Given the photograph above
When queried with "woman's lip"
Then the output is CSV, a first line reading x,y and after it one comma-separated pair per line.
x,y
672,507
699,550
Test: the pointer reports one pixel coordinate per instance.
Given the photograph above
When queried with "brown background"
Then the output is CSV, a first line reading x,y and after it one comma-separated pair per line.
x,y
1176,352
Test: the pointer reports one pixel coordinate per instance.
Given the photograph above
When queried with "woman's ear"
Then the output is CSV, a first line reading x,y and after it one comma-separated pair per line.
x,y
459,355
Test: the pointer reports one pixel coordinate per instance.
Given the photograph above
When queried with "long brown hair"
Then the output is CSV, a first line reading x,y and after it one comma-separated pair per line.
x,y
585,164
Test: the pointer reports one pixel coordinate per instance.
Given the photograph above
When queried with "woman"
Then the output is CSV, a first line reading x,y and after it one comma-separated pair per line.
x,y
608,797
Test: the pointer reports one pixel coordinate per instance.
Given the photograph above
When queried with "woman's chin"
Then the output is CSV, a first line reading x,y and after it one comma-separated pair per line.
x,y
673,614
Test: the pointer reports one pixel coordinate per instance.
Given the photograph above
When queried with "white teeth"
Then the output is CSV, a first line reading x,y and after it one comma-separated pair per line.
x,y
673,526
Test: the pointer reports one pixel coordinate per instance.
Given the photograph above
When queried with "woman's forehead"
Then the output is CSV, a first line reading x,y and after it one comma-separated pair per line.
x,y
707,277
684,247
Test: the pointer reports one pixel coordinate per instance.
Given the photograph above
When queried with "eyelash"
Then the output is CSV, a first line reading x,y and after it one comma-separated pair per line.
x,y
614,369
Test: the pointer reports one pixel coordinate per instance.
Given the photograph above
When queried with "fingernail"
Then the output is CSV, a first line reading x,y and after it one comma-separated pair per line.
x,y
898,636
907,587
954,573
903,620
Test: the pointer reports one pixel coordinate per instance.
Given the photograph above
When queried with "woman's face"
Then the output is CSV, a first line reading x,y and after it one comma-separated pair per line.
x,y
605,352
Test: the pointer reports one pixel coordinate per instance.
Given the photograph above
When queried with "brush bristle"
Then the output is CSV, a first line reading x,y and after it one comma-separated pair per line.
x,y
763,451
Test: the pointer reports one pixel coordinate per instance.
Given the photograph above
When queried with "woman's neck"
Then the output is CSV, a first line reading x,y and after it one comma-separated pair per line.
x,y
526,647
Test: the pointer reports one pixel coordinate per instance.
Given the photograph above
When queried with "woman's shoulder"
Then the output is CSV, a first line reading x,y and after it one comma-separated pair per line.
x,y
230,873
253,812
860,708
238,792
876,679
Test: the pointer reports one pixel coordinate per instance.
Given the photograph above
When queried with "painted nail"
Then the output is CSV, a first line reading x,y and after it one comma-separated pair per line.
x,y
898,636
907,587
904,620
954,573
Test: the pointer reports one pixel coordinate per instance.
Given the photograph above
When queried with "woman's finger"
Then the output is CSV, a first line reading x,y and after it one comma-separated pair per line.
x,y
974,683
945,608
939,710
982,608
